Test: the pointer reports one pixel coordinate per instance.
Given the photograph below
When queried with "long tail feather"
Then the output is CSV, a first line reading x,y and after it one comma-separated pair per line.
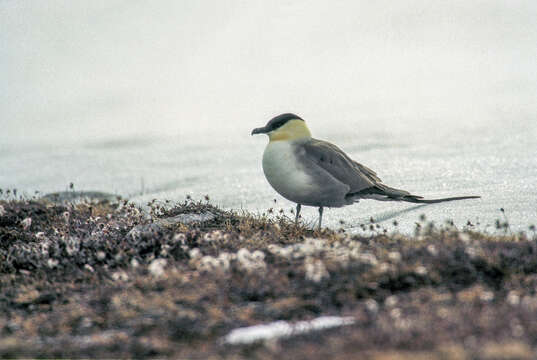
x,y
418,200
386,193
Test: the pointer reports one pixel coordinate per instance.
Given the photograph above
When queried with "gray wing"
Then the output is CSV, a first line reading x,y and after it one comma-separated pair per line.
x,y
358,177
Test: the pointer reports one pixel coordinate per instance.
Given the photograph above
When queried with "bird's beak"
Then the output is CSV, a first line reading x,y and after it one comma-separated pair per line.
x,y
261,130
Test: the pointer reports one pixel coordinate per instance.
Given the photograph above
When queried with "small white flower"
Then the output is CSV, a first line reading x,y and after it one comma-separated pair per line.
x,y
368,258
315,270
513,298
181,238
464,237
251,262
120,276
384,267
471,252
371,305
432,250
26,223
421,270
156,268
391,301
258,255
209,264
52,263
486,296
394,256
195,254
395,313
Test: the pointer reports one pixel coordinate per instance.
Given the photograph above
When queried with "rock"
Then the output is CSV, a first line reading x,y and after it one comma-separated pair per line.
x,y
187,219
63,197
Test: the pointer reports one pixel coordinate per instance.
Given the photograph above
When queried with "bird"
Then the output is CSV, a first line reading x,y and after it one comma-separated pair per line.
x,y
313,172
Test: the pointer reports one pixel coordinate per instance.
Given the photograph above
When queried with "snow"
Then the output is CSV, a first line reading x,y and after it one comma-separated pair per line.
x,y
283,329
157,100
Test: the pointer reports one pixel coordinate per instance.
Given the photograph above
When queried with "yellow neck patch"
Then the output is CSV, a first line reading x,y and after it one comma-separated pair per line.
x,y
292,130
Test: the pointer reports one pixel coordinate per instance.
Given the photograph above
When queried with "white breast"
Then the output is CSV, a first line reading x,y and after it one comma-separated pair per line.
x,y
284,174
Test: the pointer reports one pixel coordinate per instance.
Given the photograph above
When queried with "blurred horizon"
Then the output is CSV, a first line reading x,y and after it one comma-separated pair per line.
x,y
78,70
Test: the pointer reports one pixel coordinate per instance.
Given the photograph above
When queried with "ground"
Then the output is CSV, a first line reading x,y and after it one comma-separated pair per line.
x,y
105,279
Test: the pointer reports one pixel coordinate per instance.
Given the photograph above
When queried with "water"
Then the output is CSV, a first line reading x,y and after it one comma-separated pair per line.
x,y
155,100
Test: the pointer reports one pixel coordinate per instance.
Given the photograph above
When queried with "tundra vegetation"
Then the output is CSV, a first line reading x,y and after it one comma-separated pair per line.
x,y
107,279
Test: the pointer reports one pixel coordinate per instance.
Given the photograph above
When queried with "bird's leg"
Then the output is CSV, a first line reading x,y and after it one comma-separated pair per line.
x,y
320,216
298,207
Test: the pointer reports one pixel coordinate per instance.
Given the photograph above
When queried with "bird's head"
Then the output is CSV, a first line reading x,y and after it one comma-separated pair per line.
x,y
284,127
